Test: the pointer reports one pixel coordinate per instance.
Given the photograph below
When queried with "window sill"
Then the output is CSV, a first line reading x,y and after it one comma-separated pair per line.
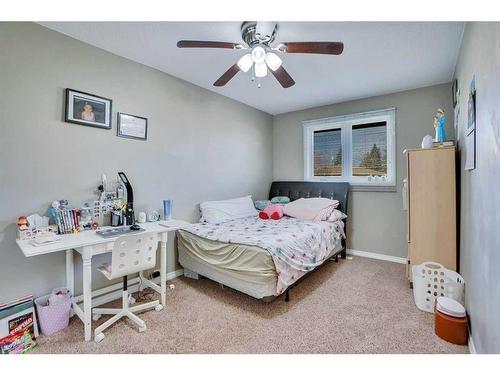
x,y
374,188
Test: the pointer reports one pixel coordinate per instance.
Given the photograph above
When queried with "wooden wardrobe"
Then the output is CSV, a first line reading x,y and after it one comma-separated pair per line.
x,y
429,193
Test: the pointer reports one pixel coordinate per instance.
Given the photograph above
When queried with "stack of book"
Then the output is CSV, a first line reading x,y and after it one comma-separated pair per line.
x,y
443,144
18,327
67,220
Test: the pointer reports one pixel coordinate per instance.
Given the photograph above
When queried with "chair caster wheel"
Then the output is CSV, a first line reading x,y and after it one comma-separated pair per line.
x,y
99,337
159,307
131,300
96,317
143,328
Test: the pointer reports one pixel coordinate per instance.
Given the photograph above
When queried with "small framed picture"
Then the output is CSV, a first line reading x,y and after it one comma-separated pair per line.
x,y
454,90
131,126
471,108
88,109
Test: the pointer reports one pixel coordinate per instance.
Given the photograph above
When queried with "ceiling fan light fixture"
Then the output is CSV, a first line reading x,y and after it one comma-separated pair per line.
x,y
273,61
258,54
261,70
245,62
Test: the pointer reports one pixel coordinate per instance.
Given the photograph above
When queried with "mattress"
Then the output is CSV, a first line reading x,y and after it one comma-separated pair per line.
x,y
266,255
249,269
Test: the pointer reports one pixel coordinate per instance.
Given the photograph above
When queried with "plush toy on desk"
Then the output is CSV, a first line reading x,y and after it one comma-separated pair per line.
x,y
22,222
273,211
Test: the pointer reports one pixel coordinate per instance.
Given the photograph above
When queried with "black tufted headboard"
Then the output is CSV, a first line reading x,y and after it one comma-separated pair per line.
x,y
305,189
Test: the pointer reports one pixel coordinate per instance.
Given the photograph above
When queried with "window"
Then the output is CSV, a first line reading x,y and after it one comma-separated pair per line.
x,y
328,152
358,148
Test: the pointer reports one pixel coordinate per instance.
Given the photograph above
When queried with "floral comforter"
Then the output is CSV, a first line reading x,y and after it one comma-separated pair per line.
x,y
297,246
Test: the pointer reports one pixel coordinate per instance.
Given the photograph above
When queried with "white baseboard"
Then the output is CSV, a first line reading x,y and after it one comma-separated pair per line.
x,y
117,294
174,274
367,254
472,347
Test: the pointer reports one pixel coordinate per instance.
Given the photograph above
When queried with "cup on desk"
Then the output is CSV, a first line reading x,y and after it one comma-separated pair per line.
x,y
167,209
141,218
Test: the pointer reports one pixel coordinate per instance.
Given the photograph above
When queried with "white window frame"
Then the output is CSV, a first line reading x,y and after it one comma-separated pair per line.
x,y
345,124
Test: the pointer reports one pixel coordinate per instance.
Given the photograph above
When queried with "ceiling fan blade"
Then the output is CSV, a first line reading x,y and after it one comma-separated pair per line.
x,y
283,77
207,44
326,48
226,77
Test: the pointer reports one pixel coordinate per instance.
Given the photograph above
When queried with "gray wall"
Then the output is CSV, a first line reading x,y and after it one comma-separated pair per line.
x,y
200,145
377,222
480,198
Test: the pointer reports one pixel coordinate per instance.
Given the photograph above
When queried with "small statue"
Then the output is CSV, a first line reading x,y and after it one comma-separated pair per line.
x,y
440,125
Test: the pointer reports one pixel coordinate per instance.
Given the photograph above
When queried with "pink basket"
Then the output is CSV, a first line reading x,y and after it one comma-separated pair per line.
x,y
53,317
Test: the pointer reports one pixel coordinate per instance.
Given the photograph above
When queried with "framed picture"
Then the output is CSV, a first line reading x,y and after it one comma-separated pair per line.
x,y
470,151
88,109
456,122
454,90
131,126
470,131
471,108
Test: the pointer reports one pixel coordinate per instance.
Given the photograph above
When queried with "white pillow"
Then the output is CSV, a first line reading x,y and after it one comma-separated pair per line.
x,y
216,212
337,215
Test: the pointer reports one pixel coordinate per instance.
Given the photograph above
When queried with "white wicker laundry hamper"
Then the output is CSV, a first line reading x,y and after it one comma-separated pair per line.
x,y
432,280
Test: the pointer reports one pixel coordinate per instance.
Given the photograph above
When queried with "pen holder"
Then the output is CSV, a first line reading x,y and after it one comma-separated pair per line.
x,y
116,218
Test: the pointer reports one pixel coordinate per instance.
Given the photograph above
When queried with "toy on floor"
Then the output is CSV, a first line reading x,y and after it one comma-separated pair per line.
x,y
273,211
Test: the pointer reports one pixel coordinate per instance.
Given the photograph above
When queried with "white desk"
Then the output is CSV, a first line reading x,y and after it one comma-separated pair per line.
x,y
88,244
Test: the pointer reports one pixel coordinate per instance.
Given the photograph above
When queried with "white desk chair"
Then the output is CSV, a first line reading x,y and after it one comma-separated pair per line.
x,y
131,253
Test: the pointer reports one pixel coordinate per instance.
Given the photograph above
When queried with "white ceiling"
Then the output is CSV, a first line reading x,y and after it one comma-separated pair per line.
x,y
378,58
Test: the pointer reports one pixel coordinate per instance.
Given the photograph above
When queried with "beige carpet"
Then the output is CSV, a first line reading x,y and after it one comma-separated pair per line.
x,y
354,306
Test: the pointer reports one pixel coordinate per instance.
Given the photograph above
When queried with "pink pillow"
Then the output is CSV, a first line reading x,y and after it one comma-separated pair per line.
x,y
315,209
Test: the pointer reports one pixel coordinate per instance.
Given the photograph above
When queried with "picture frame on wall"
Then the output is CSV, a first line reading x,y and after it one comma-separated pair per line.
x,y
470,148
470,129
132,126
471,109
454,90
88,109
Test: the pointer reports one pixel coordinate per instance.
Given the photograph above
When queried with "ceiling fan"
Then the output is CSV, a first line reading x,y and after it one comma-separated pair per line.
x,y
262,56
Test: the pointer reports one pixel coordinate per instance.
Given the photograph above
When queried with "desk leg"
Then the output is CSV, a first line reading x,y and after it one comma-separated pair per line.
x,y
163,268
70,275
87,291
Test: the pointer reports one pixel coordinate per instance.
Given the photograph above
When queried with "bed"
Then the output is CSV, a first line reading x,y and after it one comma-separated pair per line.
x,y
266,258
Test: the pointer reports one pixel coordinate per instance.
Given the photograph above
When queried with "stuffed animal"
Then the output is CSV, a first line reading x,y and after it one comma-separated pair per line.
x,y
273,211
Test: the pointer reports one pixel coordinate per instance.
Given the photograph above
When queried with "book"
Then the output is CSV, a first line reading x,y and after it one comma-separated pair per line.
x,y
75,218
443,144
68,221
18,326
71,221
55,217
21,323
15,302
17,343
63,222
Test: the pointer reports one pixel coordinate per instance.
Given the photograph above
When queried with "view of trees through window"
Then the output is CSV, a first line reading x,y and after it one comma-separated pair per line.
x,y
369,151
328,152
